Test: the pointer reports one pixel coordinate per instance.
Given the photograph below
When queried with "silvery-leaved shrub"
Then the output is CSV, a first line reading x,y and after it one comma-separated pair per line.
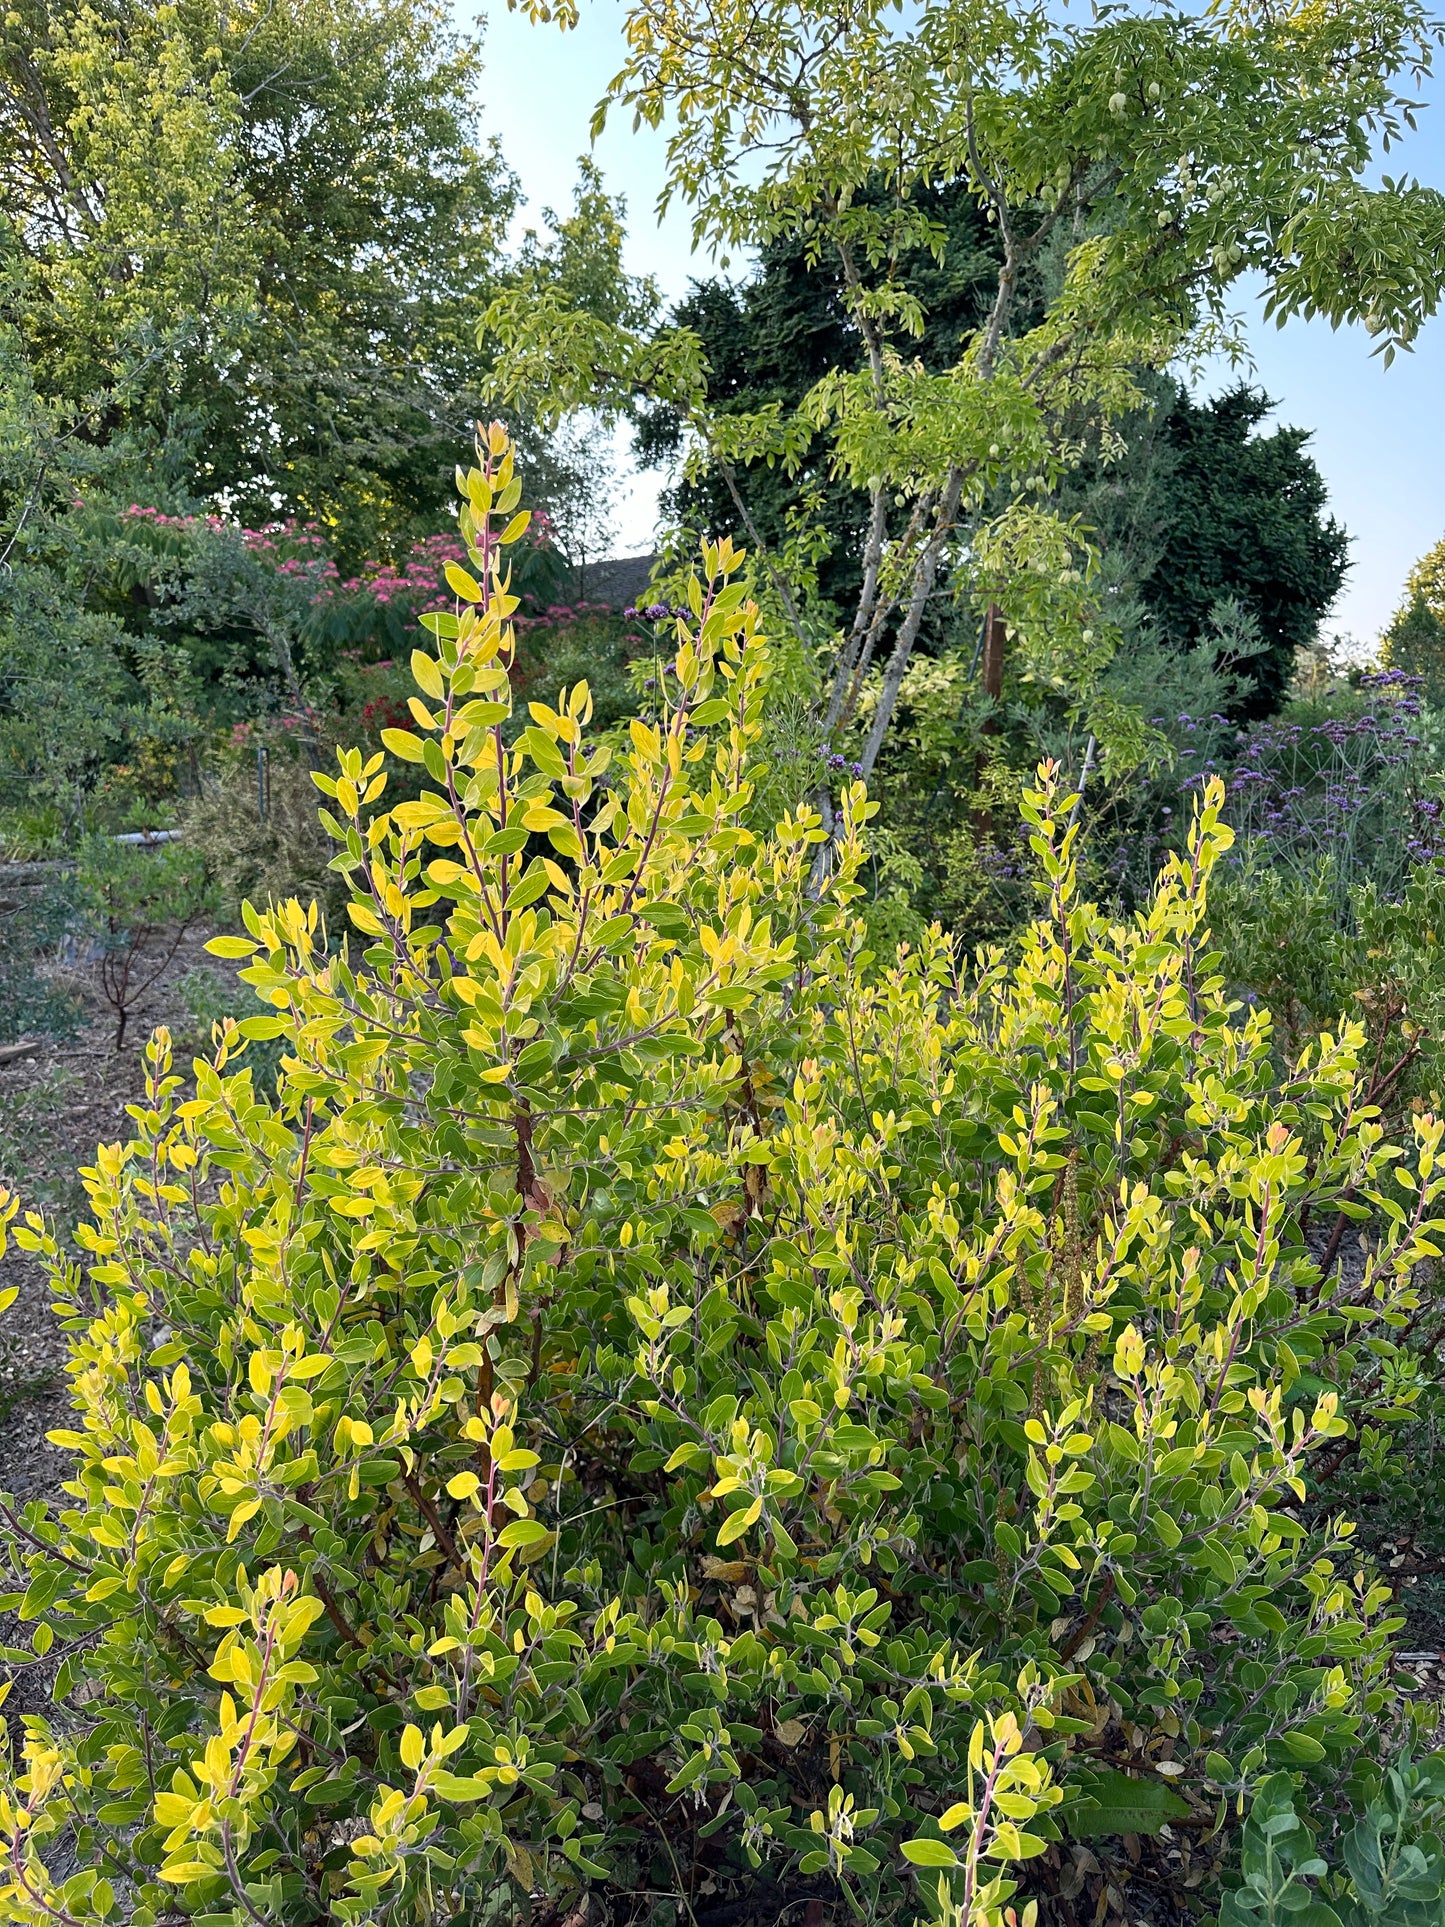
x,y
664,1403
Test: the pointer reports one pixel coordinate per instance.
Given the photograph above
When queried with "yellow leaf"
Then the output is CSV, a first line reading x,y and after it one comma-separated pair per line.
x,y
737,1523
428,674
1128,1353
730,1569
402,743
182,1871
419,815
247,1509
463,583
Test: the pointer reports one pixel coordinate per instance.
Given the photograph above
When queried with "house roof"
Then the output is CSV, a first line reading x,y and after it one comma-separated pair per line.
x,y
618,582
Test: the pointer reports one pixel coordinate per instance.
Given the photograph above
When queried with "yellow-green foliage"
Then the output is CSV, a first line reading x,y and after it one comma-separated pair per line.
x,y
660,1386
1426,581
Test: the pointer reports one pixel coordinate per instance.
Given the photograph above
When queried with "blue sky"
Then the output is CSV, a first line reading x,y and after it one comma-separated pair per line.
x,y
1378,434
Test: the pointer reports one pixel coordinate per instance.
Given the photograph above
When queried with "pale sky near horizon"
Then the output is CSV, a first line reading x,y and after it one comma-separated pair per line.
x,y
1378,434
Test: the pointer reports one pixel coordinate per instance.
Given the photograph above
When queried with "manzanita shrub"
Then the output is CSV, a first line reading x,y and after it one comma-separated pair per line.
x,y
664,1403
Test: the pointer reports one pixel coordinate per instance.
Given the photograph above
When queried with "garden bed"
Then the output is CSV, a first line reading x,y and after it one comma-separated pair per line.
x,y
58,1101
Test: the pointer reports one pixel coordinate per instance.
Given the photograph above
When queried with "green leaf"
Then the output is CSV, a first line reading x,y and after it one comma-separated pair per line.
x,y
1301,1747
460,1787
330,1792
536,883
260,1028
668,919
1114,1802
523,1532
930,1853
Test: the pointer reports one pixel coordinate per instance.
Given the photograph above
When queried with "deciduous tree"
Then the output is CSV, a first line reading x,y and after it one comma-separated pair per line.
x,y
251,241
1152,156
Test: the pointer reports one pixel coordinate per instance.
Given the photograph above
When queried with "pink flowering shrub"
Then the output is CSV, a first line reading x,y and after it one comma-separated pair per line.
x,y
368,610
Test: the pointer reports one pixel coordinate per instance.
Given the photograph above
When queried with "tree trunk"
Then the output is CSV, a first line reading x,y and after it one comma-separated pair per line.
x,y
923,581
995,635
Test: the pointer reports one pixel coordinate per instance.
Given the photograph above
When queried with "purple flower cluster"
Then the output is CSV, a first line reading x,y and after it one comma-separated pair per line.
x,y
652,611
1426,841
1344,788
1406,689
1000,864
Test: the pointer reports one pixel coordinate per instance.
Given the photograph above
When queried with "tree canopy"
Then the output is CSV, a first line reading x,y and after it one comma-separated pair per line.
x,y
768,342
1245,519
1415,639
1234,514
1140,162
248,243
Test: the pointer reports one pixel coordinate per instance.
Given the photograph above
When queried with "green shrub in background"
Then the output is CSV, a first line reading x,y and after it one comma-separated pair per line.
x,y
35,912
136,904
1286,946
257,834
210,997
661,1399
591,645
